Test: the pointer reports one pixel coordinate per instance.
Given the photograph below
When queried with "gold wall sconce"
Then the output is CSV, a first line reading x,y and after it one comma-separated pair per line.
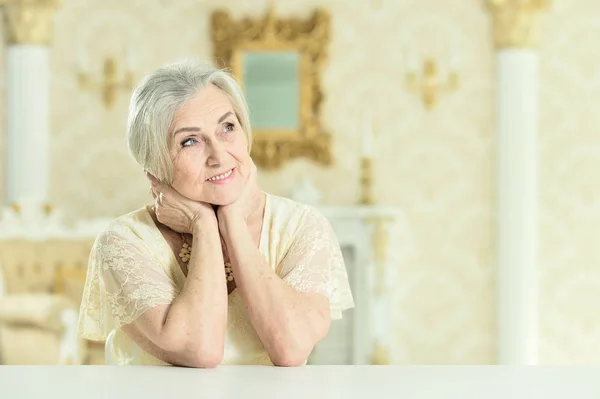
x,y
46,207
429,84
366,161
380,356
366,181
110,83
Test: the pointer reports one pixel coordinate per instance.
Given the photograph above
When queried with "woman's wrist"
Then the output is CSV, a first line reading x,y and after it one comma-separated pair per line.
x,y
204,225
229,224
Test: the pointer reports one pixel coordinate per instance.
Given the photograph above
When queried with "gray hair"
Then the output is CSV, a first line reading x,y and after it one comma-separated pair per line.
x,y
156,100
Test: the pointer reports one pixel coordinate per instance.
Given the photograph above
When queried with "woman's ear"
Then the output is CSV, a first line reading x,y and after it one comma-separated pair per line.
x,y
149,176
152,179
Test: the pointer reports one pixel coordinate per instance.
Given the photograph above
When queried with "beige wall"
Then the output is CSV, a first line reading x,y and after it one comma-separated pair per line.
x,y
570,183
437,166
2,111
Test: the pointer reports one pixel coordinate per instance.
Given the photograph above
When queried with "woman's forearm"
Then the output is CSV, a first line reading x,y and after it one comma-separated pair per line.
x,y
288,323
201,307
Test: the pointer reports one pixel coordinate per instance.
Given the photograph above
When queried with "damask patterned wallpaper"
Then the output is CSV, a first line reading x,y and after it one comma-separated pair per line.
x,y
436,165
2,110
570,184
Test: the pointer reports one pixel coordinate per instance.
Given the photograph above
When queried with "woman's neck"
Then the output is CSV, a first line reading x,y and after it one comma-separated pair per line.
x,y
255,220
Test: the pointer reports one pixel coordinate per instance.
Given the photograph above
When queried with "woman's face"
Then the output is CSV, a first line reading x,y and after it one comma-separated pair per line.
x,y
209,149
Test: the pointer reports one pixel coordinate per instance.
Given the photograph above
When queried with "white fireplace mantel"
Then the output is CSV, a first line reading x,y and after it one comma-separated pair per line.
x,y
374,240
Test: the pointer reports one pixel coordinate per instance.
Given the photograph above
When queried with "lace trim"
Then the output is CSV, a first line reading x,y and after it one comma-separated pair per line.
x,y
314,263
124,280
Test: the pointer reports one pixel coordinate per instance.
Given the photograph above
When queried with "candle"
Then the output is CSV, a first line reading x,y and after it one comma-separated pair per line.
x,y
367,138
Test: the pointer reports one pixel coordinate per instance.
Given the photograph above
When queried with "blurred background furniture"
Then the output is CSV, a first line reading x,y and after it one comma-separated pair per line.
x,y
42,271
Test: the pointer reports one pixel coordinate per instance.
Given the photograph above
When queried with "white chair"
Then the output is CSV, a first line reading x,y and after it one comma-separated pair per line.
x,y
109,357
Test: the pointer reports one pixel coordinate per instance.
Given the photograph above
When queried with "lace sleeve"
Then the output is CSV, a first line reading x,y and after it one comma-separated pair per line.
x,y
123,281
314,263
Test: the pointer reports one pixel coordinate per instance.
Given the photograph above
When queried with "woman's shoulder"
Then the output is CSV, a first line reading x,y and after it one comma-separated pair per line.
x,y
286,206
127,226
292,212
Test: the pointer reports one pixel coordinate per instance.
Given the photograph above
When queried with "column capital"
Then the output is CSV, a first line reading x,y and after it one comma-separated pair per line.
x,y
29,21
516,22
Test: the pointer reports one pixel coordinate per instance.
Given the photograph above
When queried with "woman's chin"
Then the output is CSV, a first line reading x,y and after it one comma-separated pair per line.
x,y
222,199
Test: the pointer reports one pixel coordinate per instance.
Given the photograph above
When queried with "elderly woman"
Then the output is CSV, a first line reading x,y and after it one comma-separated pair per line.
x,y
216,271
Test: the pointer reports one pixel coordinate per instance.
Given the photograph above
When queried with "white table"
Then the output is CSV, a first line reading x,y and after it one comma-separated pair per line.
x,y
372,382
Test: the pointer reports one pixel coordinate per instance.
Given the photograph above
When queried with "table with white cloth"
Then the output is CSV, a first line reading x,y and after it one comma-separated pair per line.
x,y
348,382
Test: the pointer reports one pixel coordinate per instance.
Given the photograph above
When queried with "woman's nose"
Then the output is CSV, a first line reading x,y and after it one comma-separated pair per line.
x,y
216,151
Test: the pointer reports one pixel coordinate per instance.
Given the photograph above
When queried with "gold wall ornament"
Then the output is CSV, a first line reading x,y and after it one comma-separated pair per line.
x,y
110,84
429,83
380,356
366,181
16,208
46,207
516,22
293,45
29,21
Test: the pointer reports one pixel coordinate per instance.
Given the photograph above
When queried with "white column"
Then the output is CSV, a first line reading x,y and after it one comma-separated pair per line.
x,y
28,31
516,39
516,140
27,122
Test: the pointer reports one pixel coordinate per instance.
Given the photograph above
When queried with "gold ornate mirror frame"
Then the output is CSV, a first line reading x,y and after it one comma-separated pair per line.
x,y
231,39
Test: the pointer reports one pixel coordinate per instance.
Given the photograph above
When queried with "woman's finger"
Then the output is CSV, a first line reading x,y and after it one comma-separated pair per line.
x,y
155,194
158,187
159,197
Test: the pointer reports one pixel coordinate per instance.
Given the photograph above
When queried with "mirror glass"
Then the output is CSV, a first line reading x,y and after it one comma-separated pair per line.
x,y
271,83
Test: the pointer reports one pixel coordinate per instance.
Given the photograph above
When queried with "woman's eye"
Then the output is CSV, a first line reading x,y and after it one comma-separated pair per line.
x,y
229,127
189,142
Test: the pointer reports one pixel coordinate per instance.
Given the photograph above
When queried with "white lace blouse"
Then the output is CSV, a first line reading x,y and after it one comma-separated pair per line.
x,y
133,269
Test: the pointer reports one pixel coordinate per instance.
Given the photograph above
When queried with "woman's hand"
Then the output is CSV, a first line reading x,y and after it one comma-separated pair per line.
x,y
177,212
249,199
